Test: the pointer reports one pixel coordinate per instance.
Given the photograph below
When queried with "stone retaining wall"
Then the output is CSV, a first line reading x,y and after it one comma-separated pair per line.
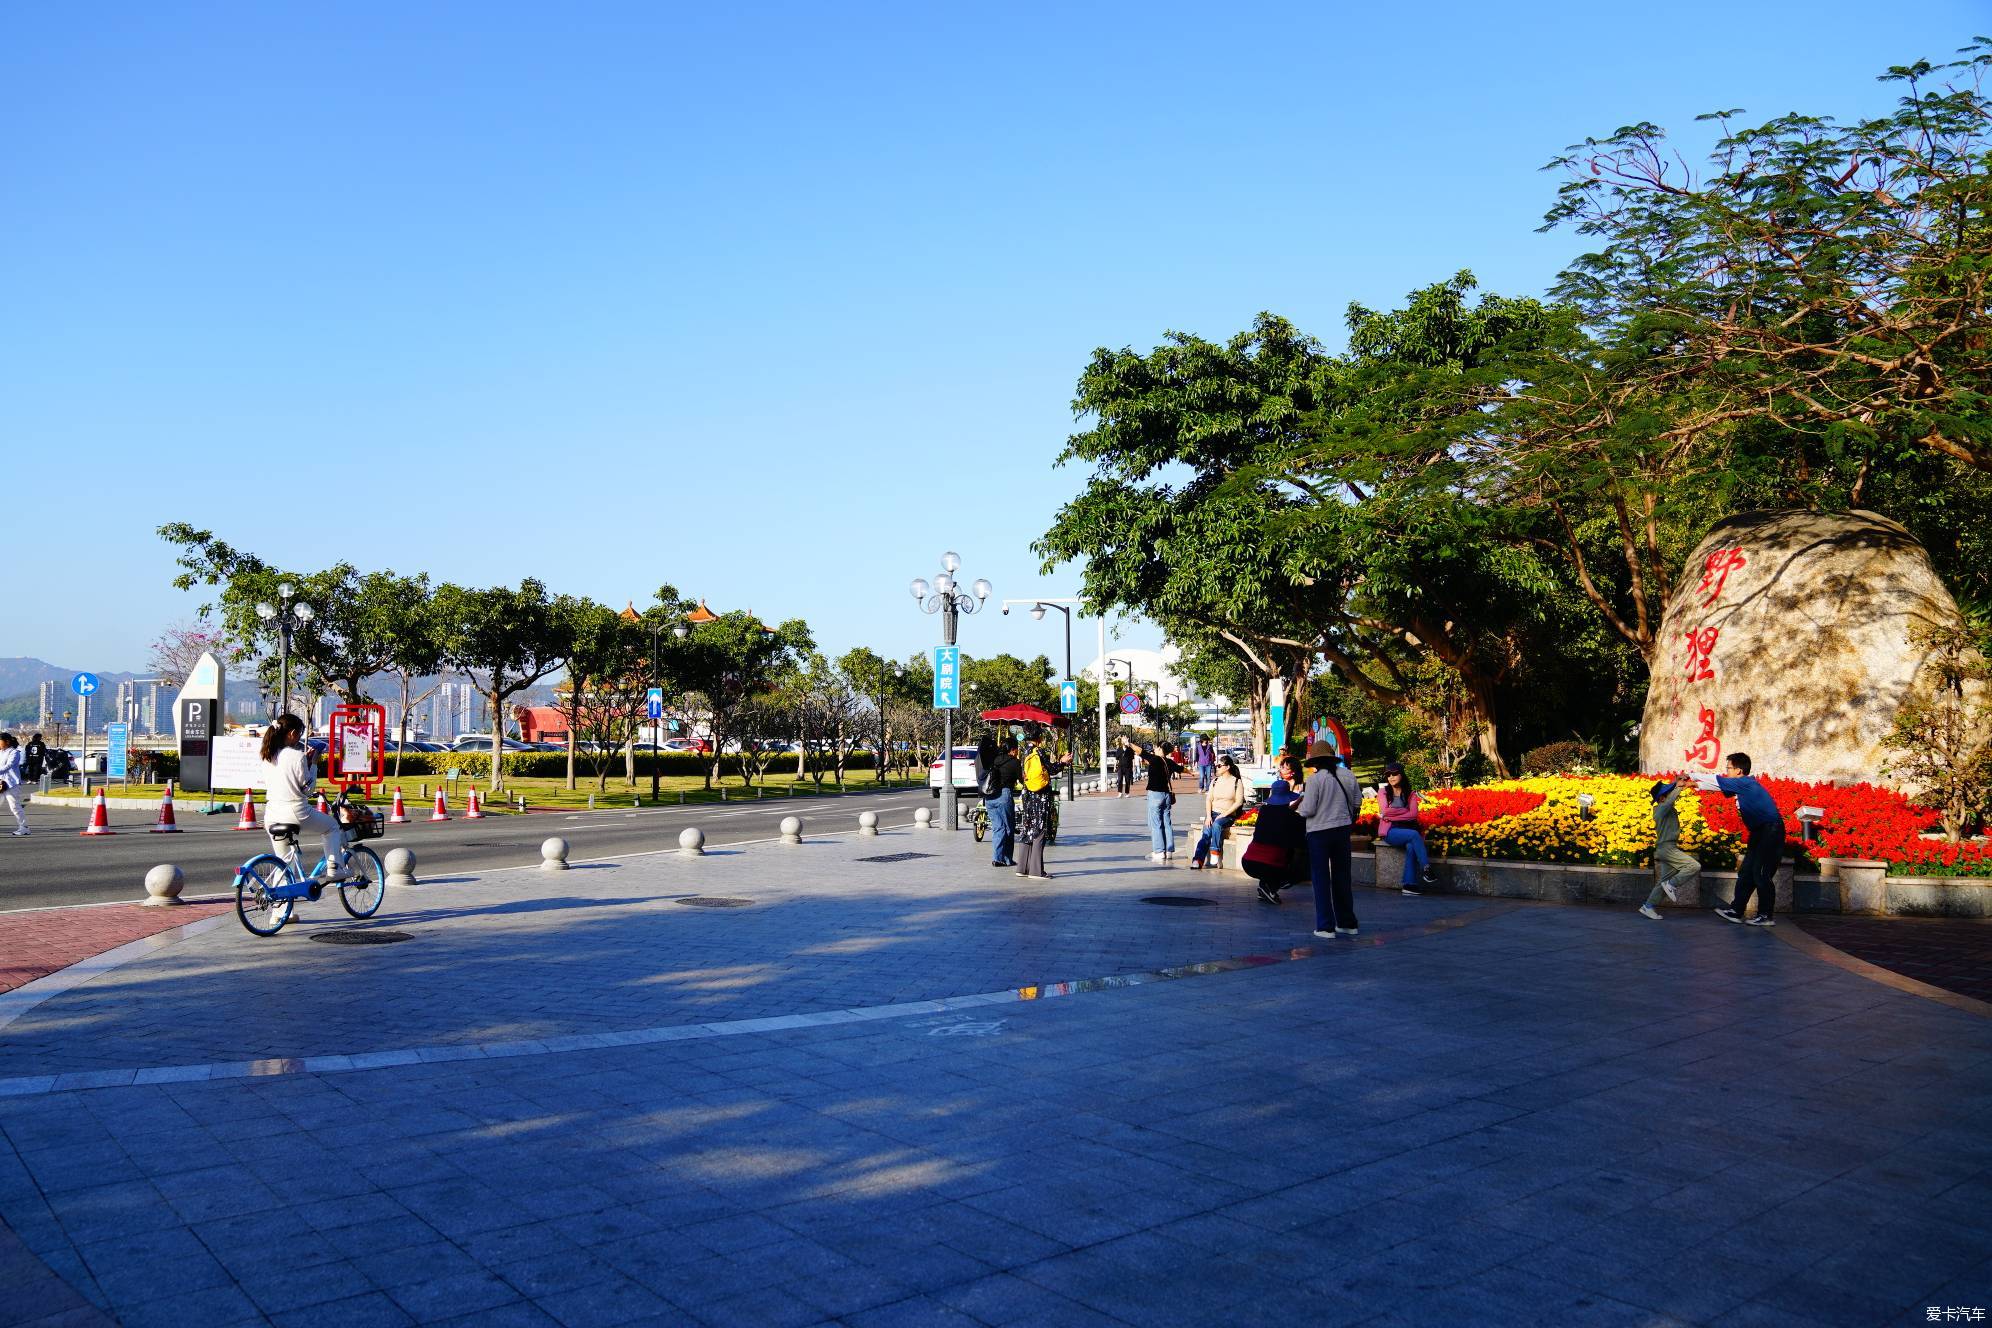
x,y
1857,891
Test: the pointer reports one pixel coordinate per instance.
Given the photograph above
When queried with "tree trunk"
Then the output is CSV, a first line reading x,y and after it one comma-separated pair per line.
x,y
403,743
497,738
1487,733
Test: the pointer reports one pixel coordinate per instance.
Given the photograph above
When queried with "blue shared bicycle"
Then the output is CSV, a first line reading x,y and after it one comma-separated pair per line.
x,y
269,885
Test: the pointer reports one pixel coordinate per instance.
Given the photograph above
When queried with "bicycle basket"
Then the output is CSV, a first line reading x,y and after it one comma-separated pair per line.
x,y
361,821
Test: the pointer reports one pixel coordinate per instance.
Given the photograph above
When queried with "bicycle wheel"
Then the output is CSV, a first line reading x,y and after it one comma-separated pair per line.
x,y
362,895
260,914
981,824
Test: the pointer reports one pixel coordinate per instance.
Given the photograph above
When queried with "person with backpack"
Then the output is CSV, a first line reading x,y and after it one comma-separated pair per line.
x,y
1277,856
1675,866
1329,805
34,759
1764,840
1034,822
1397,825
999,795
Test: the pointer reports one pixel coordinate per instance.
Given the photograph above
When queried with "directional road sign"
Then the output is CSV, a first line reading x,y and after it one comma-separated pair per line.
x,y
1068,697
947,677
654,703
84,684
1131,704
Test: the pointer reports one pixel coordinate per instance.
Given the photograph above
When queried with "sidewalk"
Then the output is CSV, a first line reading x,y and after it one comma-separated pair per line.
x,y
925,1091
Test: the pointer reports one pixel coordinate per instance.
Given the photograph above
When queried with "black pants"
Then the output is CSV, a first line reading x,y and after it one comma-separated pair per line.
x,y
1758,872
1124,781
1334,879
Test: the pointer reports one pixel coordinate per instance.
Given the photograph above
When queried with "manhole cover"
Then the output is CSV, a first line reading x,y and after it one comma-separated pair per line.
x,y
1178,901
714,901
899,857
361,936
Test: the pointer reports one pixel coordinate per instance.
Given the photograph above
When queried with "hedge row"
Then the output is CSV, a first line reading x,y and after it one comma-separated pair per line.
x,y
553,765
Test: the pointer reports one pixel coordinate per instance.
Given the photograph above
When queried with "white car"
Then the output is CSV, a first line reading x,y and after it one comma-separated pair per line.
x,y
967,773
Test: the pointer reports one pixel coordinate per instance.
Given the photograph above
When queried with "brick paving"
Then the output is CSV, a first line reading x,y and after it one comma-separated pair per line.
x,y
1540,1114
1952,953
33,945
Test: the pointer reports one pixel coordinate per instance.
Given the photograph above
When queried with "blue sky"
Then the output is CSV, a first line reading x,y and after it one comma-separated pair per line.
x,y
774,303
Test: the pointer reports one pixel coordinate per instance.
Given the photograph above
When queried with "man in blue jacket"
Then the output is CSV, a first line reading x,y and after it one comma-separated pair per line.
x,y
1764,830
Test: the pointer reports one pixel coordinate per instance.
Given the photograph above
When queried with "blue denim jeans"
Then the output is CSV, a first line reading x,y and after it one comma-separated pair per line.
x,y
1204,775
1002,827
1161,826
1416,858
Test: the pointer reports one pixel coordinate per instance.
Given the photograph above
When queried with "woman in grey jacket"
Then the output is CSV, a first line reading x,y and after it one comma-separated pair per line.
x,y
1329,805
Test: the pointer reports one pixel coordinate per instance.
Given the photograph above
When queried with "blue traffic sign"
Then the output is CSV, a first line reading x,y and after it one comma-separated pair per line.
x,y
83,684
1130,704
947,677
1068,697
654,703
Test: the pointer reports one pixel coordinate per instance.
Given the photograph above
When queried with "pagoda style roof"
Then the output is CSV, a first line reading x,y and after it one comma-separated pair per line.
x,y
701,614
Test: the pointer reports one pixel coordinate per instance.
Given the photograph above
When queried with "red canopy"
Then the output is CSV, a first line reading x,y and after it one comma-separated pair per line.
x,y
1025,714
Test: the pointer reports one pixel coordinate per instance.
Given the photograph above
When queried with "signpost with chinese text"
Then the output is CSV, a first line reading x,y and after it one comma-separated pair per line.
x,y
947,677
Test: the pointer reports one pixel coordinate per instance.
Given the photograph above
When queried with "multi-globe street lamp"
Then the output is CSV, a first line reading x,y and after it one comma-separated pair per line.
x,y
288,613
945,596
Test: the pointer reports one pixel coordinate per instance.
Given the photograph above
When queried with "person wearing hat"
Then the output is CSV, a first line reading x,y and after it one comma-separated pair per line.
x,y
1676,866
1277,856
1397,825
1329,805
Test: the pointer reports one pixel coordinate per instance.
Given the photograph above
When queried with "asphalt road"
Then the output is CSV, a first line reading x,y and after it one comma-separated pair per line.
x,y
56,866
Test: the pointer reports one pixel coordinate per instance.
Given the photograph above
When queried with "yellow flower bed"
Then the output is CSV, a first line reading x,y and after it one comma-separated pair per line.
x,y
1620,832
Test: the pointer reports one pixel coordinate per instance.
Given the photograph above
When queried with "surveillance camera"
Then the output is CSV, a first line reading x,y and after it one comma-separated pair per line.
x,y
1006,610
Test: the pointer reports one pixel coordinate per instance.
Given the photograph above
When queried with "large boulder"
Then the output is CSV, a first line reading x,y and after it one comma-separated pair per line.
x,y
1788,639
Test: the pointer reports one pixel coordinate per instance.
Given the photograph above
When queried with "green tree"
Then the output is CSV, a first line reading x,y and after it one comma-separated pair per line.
x,y
732,661
508,639
1942,736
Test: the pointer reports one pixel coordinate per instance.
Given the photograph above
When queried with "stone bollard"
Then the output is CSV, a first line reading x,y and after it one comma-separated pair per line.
x,y
553,854
691,842
163,885
791,829
867,824
923,818
591,802
400,864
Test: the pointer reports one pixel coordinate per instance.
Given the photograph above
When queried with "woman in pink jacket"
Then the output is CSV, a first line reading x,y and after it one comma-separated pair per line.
x,y
1397,825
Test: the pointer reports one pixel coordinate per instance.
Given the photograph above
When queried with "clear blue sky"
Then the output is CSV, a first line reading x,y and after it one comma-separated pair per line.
x,y
773,303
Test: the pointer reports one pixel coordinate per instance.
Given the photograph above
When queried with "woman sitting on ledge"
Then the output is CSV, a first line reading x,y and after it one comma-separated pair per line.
x,y
1397,824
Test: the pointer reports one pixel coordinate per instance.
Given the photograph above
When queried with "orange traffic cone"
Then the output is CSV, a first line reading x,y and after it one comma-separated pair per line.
x,y
100,818
324,807
442,812
248,821
399,816
165,824
476,812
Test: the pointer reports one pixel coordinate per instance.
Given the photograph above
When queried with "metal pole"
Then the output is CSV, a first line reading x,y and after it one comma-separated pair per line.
x,y
949,803
656,723
1072,748
83,726
283,636
881,721
1102,695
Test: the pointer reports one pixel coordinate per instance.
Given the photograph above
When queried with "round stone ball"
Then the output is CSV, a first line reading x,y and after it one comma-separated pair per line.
x,y
868,820
164,883
399,862
554,850
691,840
791,827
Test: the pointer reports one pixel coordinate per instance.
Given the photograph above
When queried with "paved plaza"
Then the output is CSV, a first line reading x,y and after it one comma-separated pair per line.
x,y
790,1085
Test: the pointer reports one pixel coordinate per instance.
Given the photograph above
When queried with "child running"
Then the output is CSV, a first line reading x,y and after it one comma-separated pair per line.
x,y
1675,865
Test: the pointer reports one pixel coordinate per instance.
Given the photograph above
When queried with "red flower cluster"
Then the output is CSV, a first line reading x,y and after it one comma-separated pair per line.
x,y
1861,820
1465,806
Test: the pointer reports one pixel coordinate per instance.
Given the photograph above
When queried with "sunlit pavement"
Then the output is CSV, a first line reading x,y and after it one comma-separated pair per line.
x,y
863,1096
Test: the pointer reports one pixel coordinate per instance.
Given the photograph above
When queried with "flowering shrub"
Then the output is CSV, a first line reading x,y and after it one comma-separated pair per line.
x,y
1539,820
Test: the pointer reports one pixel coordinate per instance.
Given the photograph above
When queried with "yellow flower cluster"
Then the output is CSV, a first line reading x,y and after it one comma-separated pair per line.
x,y
1619,833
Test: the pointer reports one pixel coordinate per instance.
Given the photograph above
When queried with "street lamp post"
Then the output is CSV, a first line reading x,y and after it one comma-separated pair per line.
x,y
1064,606
945,597
680,632
289,613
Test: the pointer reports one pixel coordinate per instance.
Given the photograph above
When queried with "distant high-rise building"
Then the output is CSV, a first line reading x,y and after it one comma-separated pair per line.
x,y
45,705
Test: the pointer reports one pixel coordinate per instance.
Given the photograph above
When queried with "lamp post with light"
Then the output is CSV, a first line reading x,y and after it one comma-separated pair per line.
x,y
945,597
679,631
1063,605
288,613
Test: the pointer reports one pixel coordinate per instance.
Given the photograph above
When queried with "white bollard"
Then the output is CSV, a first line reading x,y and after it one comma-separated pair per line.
x,y
400,864
923,818
553,854
791,829
691,842
867,823
591,802
163,885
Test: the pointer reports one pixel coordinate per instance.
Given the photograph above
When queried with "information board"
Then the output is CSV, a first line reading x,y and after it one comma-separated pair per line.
x,y
238,762
117,750
947,677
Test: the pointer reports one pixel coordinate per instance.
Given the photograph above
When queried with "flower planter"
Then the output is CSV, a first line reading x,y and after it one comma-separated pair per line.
x,y
1938,896
1863,885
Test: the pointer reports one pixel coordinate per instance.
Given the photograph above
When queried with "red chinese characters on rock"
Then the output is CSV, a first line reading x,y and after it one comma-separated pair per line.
x,y
1701,644
1715,571
1708,746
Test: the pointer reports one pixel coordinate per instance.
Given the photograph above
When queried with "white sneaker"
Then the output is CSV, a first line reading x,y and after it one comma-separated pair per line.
x,y
1345,931
1761,921
20,834
1324,935
1648,911
1673,895
1158,857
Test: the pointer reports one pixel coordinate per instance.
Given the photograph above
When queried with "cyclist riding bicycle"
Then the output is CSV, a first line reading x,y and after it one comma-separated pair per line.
x,y
293,781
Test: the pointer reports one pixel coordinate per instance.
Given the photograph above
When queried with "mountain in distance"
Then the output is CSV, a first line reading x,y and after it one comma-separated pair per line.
x,y
24,674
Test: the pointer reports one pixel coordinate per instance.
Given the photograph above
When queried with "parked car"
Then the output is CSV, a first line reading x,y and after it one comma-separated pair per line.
x,y
967,773
481,742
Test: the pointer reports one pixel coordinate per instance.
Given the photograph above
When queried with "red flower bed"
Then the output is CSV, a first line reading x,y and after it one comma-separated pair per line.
x,y
1465,806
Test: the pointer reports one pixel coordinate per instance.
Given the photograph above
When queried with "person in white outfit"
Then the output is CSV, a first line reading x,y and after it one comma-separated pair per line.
x,y
293,782
11,792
